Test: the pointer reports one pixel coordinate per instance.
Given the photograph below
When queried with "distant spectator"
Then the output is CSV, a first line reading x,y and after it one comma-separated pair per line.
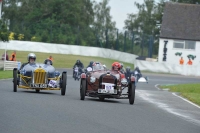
x,y
50,58
189,62
3,56
13,56
181,61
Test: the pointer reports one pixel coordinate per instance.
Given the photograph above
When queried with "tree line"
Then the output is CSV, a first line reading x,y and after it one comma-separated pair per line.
x,y
84,22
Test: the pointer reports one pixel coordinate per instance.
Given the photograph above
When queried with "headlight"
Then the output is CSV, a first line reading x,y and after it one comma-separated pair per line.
x,y
124,81
92,79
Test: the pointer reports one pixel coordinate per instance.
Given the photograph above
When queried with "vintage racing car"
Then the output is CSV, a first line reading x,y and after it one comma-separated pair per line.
x,y
39,76
102,83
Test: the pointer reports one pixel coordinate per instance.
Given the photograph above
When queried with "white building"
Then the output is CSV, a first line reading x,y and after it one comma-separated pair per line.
x,y
181,30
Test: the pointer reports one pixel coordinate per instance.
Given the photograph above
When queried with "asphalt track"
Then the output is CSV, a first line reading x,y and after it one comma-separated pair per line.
x,y
154,111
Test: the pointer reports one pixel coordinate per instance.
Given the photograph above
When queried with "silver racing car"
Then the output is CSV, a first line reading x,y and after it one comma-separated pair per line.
x,y
39,76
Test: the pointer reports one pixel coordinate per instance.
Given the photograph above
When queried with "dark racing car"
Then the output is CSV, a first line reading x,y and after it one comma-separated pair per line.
x,y
102,83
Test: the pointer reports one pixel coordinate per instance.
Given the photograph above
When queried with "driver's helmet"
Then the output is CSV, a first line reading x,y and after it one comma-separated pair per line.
x,y
48,62
91,62
136,68
128,69
31,56
116,66
78,62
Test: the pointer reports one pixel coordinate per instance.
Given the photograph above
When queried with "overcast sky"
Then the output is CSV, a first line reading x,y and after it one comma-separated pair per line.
x,y
120,9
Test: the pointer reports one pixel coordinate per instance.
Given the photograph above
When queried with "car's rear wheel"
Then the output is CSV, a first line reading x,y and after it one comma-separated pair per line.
x,y
132,93
15,79
64,83
82,89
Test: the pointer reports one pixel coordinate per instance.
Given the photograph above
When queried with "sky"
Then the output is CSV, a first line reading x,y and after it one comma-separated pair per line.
x,y
120,9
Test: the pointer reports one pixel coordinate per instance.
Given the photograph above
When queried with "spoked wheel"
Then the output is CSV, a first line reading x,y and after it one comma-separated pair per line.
x,y
15,79
82,89
75,76
131,93
64,83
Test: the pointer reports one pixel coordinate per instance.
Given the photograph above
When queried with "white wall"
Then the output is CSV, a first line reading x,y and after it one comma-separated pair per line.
x,y
172,58
68,49
160,66
165,67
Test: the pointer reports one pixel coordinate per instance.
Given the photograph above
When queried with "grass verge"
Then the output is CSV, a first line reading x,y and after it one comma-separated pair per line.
x,y
6,74
60,60
188,91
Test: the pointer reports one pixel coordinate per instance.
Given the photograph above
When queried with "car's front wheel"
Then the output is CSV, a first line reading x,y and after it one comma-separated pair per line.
x,y
131,93
82,89
15,79
64,83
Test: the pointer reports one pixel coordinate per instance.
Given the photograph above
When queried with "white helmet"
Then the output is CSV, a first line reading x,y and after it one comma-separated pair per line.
x,y
31,55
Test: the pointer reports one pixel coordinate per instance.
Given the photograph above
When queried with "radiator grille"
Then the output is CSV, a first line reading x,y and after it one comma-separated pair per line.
x,y
108,79
39,76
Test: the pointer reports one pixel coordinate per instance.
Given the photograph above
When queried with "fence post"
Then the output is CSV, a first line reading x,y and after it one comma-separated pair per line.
x,y
77,38
132,42
142,44
117,41
96,40
151,46
124,41
51,34
106,38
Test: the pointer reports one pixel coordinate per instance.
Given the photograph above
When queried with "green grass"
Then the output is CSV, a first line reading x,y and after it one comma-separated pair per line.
x,y
6,74
188,91
60,60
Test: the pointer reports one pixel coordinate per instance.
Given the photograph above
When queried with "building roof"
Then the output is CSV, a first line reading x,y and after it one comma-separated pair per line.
x,y
181,21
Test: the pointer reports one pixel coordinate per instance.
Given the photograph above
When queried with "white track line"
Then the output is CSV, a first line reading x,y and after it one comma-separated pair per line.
x,y
180,97
186,100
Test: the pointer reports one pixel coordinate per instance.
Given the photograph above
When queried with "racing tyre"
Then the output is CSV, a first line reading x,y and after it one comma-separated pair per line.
x,y
64,83
101,98
132,93
37,91
82,89
15,79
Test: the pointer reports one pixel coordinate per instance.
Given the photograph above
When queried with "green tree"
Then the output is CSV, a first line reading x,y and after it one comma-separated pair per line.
x,y
187,1
103,24
54,17
4,33
144,23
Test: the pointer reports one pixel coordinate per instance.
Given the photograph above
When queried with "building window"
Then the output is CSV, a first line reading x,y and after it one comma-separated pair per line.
x,y
190,44
178,44
184,44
